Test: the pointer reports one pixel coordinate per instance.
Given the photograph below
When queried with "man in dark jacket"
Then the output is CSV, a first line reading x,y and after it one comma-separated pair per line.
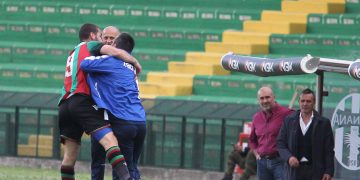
x,y
306,142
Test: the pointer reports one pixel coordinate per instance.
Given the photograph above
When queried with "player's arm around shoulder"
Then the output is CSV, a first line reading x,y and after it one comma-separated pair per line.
x,y
97,64
121,54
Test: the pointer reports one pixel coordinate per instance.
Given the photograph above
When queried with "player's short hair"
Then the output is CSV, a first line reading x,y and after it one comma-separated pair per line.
x,y
125,41
86,29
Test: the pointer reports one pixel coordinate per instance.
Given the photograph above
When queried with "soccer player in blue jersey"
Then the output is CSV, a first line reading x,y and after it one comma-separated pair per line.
x,y
114,87
108,36
77,112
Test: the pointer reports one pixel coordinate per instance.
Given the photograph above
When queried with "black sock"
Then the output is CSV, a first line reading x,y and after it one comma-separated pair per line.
x,y
67,172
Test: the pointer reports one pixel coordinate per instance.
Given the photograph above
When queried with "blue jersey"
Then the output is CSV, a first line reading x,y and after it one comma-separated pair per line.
x,y
114,86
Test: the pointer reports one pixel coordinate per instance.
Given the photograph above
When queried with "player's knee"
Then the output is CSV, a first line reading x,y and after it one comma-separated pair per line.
x,y
69,159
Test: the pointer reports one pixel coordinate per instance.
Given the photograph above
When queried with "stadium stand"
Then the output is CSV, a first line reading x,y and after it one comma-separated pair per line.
x,y
179,44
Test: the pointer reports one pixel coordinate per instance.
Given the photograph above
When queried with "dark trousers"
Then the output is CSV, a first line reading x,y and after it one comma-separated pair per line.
x,y
131,136
304,172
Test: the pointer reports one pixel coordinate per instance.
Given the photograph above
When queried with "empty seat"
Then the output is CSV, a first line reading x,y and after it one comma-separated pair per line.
x,y
344,24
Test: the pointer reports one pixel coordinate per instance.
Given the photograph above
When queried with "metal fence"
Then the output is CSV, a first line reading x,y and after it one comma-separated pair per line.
x,y
195,137
180,133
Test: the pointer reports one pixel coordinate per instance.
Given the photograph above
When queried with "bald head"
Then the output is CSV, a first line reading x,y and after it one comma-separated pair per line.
x,y
109,34
265,89
266,98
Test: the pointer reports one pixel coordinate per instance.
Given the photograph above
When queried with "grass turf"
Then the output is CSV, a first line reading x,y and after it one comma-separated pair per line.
x,y
24,173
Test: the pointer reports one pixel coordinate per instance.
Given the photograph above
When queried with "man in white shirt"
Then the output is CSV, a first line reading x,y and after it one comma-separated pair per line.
x,y
306,142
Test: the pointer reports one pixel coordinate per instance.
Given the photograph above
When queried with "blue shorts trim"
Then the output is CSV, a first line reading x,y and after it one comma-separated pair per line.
x,y
101,133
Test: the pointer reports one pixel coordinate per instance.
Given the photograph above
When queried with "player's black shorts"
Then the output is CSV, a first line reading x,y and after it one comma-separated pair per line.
x,y
79,114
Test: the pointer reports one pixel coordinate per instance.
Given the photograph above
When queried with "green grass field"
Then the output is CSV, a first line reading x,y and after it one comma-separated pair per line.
x,y
23,173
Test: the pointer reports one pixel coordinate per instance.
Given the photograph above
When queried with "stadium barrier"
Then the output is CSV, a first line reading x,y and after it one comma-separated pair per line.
x,y
181,134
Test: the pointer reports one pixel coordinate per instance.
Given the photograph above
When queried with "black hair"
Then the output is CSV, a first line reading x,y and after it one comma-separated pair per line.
x,y
308,91
86,30
125,41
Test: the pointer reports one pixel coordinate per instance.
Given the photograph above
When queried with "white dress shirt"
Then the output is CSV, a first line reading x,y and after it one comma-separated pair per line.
x,y
304,127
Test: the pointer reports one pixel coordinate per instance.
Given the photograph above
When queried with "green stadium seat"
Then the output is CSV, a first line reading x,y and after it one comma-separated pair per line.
x,y
186,39
158,15
25,52
339,87
49,9
40,53
67,11
158,54
119,11
5,53
352,6
341,46
38,32
31,76
247,86
53,54
189,13
61,33
347,24
153,12
103,11
11,8
137,11
34,32
245,4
